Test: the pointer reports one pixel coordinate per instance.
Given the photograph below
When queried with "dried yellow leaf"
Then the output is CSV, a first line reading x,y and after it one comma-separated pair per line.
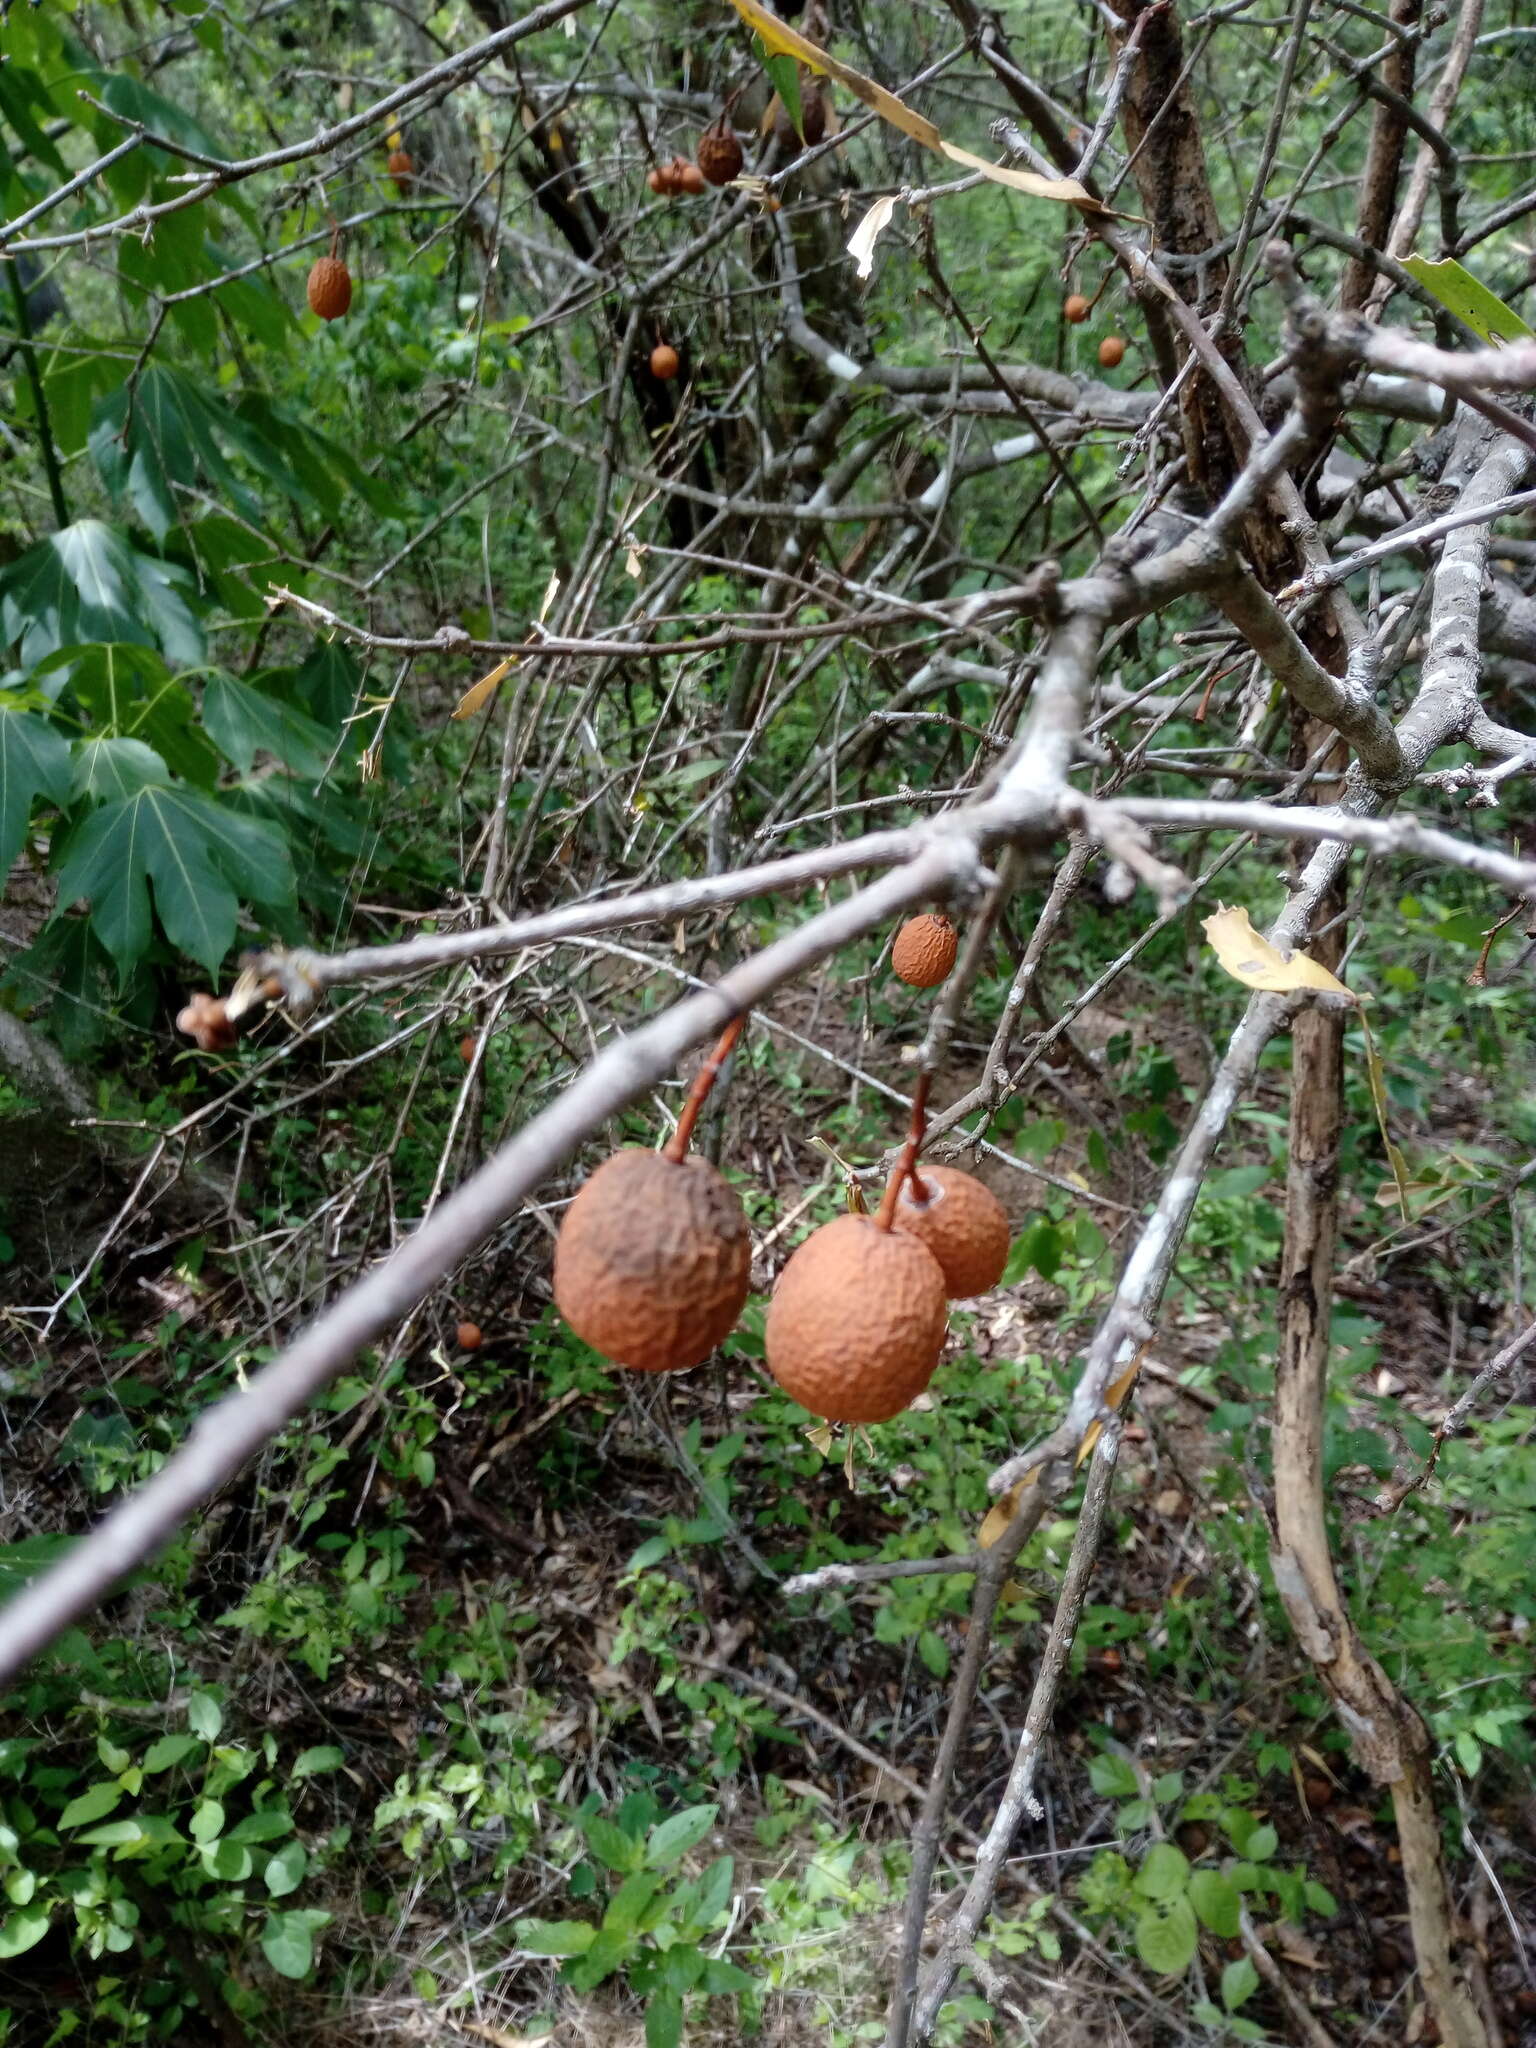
x,y
1067,190
780,40
479,694
1002,1511
1249,958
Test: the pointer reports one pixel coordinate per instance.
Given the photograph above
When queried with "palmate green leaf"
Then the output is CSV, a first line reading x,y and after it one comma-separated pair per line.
x,y
162,434
86,583
243,722
200,857
130,693
34,761
113,766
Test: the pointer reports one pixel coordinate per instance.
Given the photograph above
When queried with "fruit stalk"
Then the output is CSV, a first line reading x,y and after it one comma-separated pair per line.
x,y
676,1147
906,1165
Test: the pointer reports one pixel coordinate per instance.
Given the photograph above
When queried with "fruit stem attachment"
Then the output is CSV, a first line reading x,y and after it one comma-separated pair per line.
x,y
906,1165
676,1147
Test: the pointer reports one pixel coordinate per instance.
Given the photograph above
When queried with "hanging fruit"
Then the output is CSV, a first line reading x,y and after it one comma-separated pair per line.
x,y
665,362
925,950
1111,351
402,168
720,153
329,289
961,1222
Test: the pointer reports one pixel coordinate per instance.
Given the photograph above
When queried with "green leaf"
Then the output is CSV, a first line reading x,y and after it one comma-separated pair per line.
x,y
205,1717
720,1977
266,1824
114,766
288,1941
1216,1901
627,1907
784,73
310,1763
92,1804
664,2020
328,682
712,1894
1261,1845
85,584
930,1647
130,692
1320,1899
676,1836
555,1937
611,1846
1113,1776
1164,1873
22,1930
207,1822
200,857
1239,1981
1468,298
285,1871
169,1750
1166,1937
34,761
243,722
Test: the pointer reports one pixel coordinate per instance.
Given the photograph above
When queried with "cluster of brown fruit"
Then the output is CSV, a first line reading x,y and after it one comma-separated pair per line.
x,y
719,161
1112,348
653,1266
667,180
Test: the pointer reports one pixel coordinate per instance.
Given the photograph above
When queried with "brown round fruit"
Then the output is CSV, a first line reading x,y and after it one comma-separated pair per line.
x,y
962,1223
329,288
1111,351
656,179
470,1336
857,1321
653,1261
720,157
665,362
1076,309
691,179
925,950
402,168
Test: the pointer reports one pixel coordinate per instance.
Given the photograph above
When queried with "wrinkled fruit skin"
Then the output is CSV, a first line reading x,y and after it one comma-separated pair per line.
x,y
924,951
962,1223
665,362
329,288
1111,351
720,157
691,180
857,1321
1075,308
653,1261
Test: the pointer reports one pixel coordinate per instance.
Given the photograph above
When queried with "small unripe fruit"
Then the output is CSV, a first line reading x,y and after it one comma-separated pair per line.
x,y
1111,351
1076,309
962,1223
857,1321
470,1336
402,168
665,362
720,157
691,179
653,1261
924,951
329,288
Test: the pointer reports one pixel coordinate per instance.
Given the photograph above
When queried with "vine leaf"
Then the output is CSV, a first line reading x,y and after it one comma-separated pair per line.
x,y
34,761
1249,958
200,857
